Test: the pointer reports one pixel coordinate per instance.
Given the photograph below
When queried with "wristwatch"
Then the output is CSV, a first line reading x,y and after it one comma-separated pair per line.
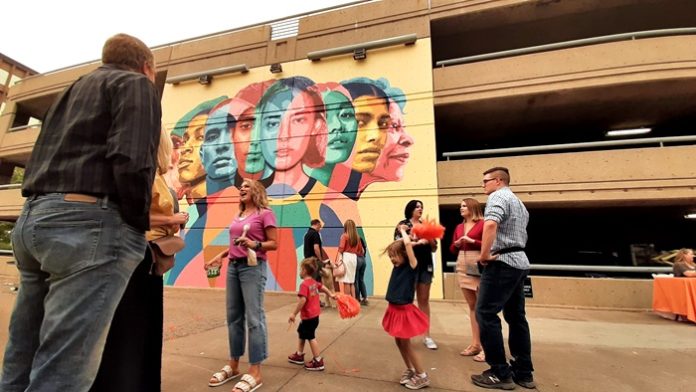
x,y
258,245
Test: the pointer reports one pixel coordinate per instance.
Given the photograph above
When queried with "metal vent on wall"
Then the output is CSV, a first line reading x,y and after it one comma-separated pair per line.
x,y
285,29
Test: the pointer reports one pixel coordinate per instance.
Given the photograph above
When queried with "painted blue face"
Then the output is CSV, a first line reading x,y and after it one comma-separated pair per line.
x,y
342,126
217,153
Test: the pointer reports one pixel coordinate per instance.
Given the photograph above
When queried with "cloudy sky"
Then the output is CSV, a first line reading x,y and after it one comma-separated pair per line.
x,y
48,34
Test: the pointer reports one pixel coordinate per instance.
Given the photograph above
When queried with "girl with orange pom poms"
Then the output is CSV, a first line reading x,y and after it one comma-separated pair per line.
x,y
403,320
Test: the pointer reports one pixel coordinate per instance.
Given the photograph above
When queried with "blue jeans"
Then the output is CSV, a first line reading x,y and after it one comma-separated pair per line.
x,y
360,289
245,290
502,288
74,261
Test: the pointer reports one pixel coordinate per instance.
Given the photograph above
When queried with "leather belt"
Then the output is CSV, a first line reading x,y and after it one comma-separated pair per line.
x,y
80,197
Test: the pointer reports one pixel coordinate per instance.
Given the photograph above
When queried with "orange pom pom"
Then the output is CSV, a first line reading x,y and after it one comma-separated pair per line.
x,y
429,230
347,305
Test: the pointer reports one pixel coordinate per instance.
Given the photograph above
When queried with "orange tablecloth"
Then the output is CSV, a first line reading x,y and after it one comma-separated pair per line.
x,y
675,295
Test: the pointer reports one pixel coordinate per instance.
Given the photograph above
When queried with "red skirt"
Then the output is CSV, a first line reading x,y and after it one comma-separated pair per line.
x,y
405,321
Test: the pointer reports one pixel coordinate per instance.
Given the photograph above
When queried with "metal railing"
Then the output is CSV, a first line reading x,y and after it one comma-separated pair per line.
x,y
10,186
408,39
572,146
568,44
6,252
242,68
591,268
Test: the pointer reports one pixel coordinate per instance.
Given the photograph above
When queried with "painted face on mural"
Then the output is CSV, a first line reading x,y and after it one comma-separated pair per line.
x,y
177,143
395,154
241,138
285,144
373,119
266,130
190,166
342,127
216,151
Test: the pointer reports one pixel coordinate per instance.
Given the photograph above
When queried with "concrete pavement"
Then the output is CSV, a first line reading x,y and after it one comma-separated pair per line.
x,y
573,350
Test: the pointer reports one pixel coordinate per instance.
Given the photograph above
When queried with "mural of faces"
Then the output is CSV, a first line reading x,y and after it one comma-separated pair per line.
x,y
190,166
341,125
281,128
373,121
309,144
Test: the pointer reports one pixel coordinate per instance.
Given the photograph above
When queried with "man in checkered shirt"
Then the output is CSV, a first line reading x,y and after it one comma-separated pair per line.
x,y
505,267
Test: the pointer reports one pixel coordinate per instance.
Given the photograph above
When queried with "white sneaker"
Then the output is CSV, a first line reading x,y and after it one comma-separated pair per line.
x,y
430,343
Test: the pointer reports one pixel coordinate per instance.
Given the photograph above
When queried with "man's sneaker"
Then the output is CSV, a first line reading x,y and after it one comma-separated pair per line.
x,y
297,359
418,382
488,379
406,376
315,364
430,343
524,382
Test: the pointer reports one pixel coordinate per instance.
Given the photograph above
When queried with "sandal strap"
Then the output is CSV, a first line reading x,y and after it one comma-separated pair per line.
x,y
246,383
224,373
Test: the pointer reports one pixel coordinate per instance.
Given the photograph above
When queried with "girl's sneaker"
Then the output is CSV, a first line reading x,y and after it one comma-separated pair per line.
x,y
418,382
406,376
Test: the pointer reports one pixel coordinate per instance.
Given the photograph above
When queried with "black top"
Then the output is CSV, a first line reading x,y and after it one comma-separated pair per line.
x,y
100,137
423,252
402,285
311,237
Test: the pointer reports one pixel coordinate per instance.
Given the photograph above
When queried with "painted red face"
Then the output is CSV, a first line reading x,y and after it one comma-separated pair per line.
x,y
395,154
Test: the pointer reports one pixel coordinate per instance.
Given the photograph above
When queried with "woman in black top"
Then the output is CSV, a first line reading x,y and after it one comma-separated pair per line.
x,y
423,250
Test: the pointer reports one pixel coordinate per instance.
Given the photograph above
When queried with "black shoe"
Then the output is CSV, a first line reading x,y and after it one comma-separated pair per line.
x,y
524,382
489,380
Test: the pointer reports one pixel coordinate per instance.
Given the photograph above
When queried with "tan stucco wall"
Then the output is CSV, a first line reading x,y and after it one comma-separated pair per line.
x,y
578,292
648,175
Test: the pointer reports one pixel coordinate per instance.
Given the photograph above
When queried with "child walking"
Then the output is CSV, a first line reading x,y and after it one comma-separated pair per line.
x,y
403,320
309,309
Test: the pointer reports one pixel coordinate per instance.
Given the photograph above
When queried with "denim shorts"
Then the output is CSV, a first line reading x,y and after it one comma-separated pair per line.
x,y
424,274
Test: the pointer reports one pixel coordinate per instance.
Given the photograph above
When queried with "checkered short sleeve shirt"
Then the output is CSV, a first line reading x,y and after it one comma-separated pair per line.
x,y
512,217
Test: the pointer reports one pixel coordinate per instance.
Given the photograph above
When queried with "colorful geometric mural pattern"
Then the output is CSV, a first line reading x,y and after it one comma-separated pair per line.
x,y
316,147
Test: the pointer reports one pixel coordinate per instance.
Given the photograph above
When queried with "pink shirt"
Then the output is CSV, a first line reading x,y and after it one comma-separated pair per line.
x,y
309,288
258,223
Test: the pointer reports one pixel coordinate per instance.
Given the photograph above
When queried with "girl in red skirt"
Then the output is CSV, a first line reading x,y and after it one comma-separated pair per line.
x,y
403,320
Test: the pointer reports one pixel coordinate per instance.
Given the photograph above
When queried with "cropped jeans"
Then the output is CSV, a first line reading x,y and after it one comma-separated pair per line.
x,y
245,291
502,289
74,261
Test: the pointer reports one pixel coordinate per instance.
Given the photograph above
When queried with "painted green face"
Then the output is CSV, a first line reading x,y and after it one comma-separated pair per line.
x,y
342,126
267,123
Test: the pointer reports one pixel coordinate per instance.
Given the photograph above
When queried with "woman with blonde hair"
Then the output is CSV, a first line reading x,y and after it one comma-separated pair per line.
x,y
349,248
132,358
466,243
684,264
254,229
